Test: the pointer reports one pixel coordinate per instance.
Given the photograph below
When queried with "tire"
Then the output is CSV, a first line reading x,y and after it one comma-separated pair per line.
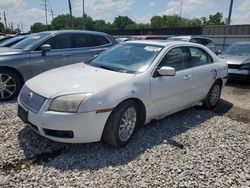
x,y
10,85
113,134
213,96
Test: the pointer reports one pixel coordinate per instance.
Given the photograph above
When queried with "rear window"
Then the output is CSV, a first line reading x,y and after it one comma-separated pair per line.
x,y
100,40
88,40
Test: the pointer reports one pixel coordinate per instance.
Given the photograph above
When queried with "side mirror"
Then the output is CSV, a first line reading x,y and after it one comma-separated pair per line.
x,y
218,52
166,71
45,48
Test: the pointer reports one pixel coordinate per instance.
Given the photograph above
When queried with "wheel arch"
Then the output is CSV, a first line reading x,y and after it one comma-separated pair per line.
x,y
141,108
220,81
15,71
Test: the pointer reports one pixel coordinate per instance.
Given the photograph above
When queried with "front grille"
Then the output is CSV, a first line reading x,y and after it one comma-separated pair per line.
x,y
31,100
234,66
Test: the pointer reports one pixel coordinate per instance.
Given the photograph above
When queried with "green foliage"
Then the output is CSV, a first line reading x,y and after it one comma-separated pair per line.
x,y
216,19
2,27
124,22
37,27
62,22
121,22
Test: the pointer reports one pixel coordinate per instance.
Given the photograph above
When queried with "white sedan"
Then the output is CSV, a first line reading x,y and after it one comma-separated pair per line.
x,y
126,86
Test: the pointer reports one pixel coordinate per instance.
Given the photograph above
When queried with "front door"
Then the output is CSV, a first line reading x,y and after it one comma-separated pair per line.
x,y
171,93
57,57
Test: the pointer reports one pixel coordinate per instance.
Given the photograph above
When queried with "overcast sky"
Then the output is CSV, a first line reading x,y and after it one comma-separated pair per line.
x,y
31,11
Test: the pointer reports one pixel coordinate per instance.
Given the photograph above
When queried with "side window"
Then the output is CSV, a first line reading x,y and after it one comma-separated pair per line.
x,y
82,40
59,41
100,40
198,57
176,58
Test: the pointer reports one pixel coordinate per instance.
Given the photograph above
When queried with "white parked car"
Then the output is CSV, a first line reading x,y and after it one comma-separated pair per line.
x,y
126,86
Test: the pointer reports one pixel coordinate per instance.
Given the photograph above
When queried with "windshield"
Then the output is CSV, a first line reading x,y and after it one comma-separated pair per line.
x,y
237,49
127,57
29,42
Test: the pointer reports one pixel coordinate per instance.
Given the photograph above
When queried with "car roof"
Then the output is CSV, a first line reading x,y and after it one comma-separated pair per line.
x,y
245,42
160,43
190,37
74,31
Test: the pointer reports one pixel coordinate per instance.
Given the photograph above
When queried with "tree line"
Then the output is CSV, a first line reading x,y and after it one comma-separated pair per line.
x,y
122,22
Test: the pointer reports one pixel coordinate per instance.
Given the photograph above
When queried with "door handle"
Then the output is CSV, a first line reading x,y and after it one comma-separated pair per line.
x,y
188,77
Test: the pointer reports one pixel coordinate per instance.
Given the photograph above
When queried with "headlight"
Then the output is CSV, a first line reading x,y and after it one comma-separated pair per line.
x,y
67,103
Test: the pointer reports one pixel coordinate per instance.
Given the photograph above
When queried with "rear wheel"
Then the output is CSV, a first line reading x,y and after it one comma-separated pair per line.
x,y
213,96
121,124
10,85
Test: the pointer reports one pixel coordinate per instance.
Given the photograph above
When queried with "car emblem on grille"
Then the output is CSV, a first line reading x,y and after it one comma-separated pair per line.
x,y
29,96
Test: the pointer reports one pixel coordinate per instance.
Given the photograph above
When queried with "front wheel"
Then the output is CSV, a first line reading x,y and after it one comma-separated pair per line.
x,y
10,85
121,124
213,96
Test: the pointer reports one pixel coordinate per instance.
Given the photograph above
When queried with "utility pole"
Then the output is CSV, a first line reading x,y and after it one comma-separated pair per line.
x,y
22,26
70,12
83,15
230,12
52,14
181,8
45,11
5,20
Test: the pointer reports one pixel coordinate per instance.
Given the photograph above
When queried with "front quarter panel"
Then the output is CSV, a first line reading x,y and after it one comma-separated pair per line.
x,y
138,87
19,62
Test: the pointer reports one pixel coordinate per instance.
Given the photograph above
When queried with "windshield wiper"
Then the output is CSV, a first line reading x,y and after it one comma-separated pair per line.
x,y
107,68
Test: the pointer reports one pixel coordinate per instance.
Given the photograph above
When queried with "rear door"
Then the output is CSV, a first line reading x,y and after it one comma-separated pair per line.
x,y
57,57
86,46
203,72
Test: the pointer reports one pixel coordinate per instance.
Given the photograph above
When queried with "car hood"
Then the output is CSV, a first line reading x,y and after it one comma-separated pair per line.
x,y
9,51
235,60
77,78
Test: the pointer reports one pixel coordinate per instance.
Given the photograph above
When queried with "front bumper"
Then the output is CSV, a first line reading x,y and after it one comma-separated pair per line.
x,y
66,127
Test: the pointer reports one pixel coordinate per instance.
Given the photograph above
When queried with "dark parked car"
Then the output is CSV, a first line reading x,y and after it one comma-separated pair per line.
x,y
10,42
196,39
44,51
4,38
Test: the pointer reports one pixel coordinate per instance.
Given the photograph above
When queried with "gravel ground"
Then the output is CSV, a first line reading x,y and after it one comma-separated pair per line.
x,y
193,148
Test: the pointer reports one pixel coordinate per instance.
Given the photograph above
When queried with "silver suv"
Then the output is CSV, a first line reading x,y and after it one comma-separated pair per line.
x,y
44,51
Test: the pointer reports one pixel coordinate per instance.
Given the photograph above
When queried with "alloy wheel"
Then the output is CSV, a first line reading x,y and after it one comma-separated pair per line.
x,y
7,86
127,124
215,94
